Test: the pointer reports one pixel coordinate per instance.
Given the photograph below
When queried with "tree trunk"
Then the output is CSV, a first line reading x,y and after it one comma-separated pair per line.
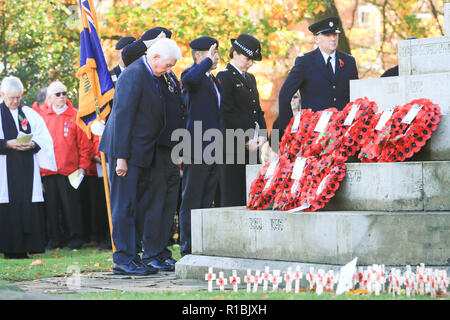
x,y
331,11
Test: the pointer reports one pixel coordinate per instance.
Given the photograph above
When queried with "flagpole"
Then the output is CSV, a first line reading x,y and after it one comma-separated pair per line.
x,y
105,181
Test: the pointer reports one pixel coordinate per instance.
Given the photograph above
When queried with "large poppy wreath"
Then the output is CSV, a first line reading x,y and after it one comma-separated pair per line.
x,y
311,187
404,133
265,187
304,141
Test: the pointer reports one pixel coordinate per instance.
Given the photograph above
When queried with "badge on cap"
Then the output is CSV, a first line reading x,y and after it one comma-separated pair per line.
x,y
331,23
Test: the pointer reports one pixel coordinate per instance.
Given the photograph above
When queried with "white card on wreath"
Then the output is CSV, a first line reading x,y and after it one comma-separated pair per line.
x,y
299,165
296,123
323,121
351,115
385,116
412,113
271,169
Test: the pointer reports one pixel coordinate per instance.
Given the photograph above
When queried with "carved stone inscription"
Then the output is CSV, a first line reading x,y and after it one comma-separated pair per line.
x,y
273,224
353,176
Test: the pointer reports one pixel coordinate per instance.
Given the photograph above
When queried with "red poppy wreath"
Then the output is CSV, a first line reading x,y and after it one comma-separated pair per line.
x,y
264,188
310,183
404,133
304,141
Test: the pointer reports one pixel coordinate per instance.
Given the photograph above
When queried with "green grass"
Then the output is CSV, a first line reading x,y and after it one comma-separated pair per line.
x,y
56,263
230,295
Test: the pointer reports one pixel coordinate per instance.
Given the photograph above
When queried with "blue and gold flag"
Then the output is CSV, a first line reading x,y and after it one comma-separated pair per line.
x,y
96,87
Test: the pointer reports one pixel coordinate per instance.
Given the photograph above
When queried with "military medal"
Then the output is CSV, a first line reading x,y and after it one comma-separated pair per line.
x,y
169,83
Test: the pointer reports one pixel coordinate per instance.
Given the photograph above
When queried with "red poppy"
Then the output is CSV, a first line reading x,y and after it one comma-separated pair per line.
x,y
341,63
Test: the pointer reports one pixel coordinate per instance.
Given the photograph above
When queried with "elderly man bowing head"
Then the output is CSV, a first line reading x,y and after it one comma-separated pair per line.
x,y
129,141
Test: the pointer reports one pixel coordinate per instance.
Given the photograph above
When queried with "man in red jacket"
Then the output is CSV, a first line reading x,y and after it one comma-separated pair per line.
x,y
73,152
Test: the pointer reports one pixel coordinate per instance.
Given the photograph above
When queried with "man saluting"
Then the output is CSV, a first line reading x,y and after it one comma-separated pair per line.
x,y
322,75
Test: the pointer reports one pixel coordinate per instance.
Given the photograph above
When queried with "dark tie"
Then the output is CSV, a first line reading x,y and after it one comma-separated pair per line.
x,y
244,75
329,66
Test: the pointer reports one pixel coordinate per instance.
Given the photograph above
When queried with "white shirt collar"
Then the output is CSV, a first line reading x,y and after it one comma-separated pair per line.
x,y
60,111
241,72
325,56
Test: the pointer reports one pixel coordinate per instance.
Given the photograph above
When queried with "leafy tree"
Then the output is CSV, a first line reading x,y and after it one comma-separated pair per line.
x,y
39,44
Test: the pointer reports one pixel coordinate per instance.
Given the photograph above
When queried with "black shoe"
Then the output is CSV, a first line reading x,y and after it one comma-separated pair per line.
x,y
161,265
133,269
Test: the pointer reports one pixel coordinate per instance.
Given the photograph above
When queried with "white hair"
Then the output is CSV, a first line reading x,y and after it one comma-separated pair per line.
x,y
166,49
55,86
11,84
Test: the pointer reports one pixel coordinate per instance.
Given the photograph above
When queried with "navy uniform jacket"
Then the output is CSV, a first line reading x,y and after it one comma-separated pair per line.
x,y
136,119
203,103
174,108
240,106
318,88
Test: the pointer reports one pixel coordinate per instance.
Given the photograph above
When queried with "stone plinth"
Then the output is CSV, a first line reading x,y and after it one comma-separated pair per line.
x,y
393,186
423,56
328,237
391,91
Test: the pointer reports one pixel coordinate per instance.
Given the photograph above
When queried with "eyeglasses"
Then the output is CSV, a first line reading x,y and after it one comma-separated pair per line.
x,y
61,93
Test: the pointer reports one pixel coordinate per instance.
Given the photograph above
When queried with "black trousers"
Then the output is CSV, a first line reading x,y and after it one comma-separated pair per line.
x,y
199,184
62,210
129,200
164,188
93,208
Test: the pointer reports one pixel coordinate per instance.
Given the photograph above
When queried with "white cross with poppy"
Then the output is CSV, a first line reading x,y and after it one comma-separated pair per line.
x,y
235,280
276,279
221,281
210,276
248,280
266,278
298,274
288,279
311,278
319,281
256,279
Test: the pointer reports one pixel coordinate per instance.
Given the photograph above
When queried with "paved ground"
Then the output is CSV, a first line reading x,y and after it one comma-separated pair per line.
x,y
52,288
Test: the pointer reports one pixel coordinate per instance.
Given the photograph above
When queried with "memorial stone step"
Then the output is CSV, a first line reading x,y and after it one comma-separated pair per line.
x,y
327,237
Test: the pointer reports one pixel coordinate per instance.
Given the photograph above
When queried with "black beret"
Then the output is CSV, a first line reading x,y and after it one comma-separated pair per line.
x,y
248,45
325,26
123,42
203,43
154,32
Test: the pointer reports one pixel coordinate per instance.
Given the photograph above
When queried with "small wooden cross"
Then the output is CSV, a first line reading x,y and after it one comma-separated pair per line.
x,y
266,278
221,281
234,281
210,276
276,279
256,279
288,279
248,280
298,274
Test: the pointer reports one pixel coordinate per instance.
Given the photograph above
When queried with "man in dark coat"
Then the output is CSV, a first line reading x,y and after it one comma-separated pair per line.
x,y
129,141
117,70
165,180
322,75
200,179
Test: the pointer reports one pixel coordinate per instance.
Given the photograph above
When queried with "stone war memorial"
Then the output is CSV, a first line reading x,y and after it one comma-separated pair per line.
x,y
390,213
